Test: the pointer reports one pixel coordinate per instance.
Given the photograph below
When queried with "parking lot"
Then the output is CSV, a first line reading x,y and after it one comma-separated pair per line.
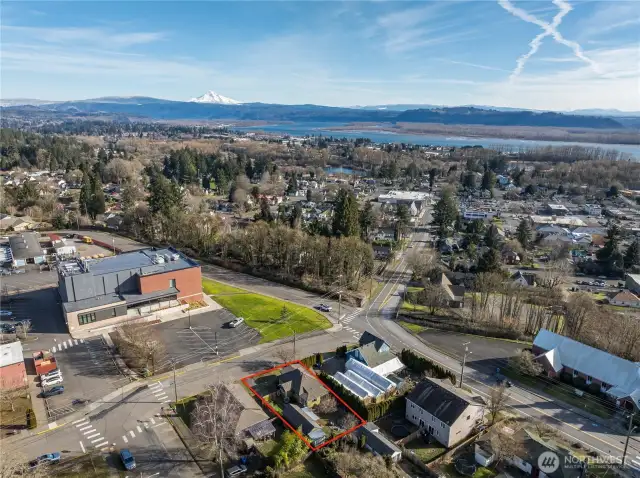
x,y
208,333
32,278
89,372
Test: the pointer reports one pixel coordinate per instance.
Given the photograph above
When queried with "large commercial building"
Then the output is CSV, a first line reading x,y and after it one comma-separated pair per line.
x,y
418,199
129,285
26,248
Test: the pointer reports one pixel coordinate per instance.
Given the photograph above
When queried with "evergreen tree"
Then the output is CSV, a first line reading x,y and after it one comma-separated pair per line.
x,y
164,195
367,219
404,220
96,203
346,214
85,195
432,177
523,234
492,237
292,187
612,244
265,211
490,261
296,216
445,213
469,180
632,254
488,180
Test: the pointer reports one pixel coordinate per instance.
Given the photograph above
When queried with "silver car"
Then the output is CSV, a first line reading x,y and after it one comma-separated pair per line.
x,y
236,322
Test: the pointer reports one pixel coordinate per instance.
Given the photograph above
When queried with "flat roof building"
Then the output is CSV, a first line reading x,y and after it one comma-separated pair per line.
x,y
405,197
557,210
126,286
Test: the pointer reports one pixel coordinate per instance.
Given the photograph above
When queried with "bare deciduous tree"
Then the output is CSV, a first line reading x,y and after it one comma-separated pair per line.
x,y
505,444
25,327
578,310
497,402
356,465
141,342
11,391
526,364
554,273
434,297
14,463
284,354
347,421
328,404
214,419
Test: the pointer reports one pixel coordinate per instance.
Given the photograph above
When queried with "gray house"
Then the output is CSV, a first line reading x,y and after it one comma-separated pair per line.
x,y
305,420
377,443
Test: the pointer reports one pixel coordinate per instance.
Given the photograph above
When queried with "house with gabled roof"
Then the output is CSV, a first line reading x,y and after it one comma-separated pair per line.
x,y
376,354
297,385
447,413
617,377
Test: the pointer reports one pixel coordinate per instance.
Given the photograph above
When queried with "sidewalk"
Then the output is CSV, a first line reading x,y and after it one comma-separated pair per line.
x,y
37,404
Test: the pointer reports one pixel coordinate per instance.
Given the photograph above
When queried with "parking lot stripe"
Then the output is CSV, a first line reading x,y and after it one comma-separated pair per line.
x,y
78,421
84,428
82,446
90,431
81,341
133,435
64,344
75,342
125,439
93,436
97,440
139,429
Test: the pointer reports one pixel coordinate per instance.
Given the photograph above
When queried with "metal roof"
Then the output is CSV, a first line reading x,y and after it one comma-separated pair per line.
x,y
11,353
370,375
26,246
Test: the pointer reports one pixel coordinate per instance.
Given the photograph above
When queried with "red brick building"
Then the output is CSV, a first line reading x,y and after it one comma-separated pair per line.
x,y
12,370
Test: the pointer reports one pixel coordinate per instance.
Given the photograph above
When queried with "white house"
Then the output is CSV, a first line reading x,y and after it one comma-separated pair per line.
x,y
625,299
445,412
593,209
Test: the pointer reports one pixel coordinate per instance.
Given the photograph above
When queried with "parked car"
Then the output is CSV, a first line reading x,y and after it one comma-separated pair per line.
x,y
48,382
51,374
7,328
46,459
5,272
235,322
127,458
19,271
324,308
236,470
58,390
5,313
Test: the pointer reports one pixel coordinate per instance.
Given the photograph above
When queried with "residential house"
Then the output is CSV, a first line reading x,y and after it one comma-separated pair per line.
x,y
447,413
377,443
632,282
12,370
306,420
617,377
625,299
252,421
455,293
376,354
17,224
113,221
510,257
299,386
530,447
551,230
524,279
593,209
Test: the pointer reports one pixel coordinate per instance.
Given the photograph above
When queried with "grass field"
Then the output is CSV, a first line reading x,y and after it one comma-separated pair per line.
x,y
265,313
415,328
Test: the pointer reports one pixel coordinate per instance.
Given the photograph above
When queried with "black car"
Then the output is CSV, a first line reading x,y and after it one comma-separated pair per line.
x,y
7,328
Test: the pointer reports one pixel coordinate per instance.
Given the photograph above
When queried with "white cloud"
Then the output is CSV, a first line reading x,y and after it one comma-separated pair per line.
x,y
82,37
609,16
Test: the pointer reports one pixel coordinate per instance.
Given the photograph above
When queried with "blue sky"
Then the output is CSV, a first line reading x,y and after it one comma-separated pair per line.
x,y
534,54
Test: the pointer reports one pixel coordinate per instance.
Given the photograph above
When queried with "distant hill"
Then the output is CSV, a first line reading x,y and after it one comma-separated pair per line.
x,y
159,109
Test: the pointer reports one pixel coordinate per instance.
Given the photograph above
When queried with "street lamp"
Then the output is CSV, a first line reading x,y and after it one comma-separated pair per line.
x,y
464,360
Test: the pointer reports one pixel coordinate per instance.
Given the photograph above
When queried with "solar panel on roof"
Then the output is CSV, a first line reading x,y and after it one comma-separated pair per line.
x,y
351,385
370,375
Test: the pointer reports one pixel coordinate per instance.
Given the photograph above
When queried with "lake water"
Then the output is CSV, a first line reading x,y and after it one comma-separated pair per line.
x,y
349,171
324,129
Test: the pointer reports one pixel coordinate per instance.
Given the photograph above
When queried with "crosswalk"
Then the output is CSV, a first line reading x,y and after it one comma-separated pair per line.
x,y
636,463
66,344
152,423
345,323
95,439
158,390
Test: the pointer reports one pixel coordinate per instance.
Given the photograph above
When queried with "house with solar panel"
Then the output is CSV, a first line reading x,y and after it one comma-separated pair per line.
x,y
446,413
376,354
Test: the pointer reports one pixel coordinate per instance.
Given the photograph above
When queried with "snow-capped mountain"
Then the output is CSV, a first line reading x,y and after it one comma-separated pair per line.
x,y
213,97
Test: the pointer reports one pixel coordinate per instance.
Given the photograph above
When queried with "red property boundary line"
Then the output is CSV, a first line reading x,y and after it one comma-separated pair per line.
x,y
268,405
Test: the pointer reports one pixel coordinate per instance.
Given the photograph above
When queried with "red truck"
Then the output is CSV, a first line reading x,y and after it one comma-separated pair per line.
x,y
44,362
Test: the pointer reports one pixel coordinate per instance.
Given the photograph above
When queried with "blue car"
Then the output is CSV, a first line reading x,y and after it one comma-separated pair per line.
x,y
53,391
45,459
128,460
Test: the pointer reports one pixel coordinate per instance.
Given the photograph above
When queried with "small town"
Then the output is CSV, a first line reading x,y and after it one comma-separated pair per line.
x,y
405,245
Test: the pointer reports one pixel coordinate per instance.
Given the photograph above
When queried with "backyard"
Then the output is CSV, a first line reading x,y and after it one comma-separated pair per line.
x,y
273,318
16,419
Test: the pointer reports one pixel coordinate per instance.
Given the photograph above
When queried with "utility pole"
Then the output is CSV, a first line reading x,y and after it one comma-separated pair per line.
x,y
339,304
464,360
216,337
629,430
175,384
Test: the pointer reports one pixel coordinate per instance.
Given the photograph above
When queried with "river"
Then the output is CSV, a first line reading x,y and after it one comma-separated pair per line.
x,y
325,129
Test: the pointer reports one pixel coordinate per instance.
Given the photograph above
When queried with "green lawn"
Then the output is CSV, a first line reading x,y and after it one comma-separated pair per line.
x,y
415,328
264,313
426,452
417,307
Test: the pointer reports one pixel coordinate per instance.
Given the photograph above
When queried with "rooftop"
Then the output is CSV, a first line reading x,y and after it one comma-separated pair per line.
x,y
441,400
404,195
146,261
11,353
25,245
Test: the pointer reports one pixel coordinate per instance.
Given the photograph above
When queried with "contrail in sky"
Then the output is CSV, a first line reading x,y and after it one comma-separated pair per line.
x,y
550,29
